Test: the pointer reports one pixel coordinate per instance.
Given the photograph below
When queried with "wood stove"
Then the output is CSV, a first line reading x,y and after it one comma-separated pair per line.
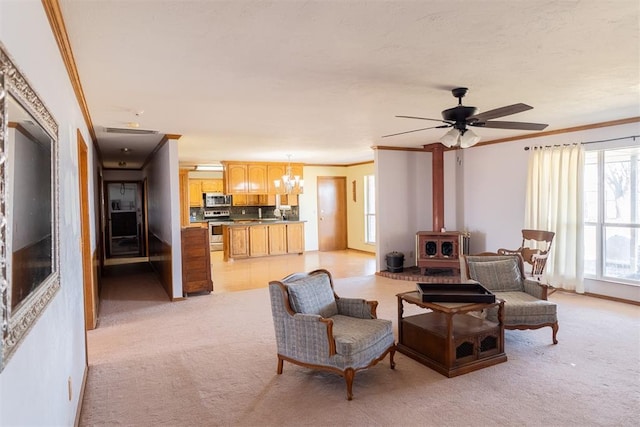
x,y
441,250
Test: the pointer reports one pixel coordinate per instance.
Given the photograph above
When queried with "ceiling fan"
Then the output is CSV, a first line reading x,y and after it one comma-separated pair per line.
x,y
460,117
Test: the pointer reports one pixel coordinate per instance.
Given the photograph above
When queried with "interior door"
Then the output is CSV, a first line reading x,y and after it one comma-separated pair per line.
x,y
332,213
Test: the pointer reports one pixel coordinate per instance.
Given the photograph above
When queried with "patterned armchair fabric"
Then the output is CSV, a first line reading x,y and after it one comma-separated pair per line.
x,y
317,329
526,305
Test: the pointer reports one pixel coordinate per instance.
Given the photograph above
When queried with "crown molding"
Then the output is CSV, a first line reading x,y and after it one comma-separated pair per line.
x,y
430,147
561,131
54,14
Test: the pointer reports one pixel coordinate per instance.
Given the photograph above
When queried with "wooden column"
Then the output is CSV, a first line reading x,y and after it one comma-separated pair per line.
x,y
438,187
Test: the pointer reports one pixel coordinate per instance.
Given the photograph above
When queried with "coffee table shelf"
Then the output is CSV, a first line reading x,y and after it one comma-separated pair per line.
x,y
449,340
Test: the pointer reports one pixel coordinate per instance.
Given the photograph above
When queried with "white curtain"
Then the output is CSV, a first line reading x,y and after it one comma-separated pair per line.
x,y
555,203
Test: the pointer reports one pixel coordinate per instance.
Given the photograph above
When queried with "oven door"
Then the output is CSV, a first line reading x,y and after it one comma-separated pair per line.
x,y
215,236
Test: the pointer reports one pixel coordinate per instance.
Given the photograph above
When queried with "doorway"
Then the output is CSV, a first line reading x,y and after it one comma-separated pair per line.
x,y
125,220
332,213
90,286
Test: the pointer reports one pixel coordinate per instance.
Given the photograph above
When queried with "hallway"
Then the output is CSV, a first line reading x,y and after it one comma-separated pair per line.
x,y
130,284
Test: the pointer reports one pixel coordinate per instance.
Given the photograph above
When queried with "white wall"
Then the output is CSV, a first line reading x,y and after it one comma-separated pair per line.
x,y
484,194
33,385
163,198
495,179
404,200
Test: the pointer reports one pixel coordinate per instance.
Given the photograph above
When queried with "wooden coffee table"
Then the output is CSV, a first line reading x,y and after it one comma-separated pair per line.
x,y
449,340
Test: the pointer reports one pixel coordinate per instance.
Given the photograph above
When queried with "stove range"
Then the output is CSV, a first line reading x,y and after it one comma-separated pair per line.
x,y
216,214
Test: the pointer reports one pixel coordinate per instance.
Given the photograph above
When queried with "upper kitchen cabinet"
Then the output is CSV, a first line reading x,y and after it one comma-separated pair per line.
x,y
274,173
257,178
199,186
195,193
235,178
212,186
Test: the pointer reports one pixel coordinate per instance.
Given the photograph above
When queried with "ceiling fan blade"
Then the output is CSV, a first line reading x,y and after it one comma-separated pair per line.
x,y
500,112
510,125
415,130
424,118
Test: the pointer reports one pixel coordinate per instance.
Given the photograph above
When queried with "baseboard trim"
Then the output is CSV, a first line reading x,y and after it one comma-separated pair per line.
x,y
362,251
626,301
81,395
592,295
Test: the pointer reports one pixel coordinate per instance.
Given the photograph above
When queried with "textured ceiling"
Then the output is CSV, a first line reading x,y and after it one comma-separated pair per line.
x,y
323,80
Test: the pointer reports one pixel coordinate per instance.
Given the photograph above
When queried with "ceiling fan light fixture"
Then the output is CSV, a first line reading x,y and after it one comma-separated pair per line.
x,y
468,139
450,138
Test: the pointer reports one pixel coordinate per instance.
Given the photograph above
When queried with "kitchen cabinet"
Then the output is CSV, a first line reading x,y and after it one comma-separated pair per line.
x,y
258,240
196,260
212,186
277,239
274,173
289,199
285,199
235,177
195,193
236,242
199,186
257,178
251,200
295,237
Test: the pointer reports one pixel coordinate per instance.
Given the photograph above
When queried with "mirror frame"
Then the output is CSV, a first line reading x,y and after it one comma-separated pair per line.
x,y
15,325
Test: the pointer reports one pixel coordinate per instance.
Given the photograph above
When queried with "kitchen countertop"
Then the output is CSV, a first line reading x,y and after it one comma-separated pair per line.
x,y
247,221
263,221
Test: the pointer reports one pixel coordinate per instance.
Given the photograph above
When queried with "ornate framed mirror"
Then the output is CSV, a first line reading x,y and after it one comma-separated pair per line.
x,y
29,239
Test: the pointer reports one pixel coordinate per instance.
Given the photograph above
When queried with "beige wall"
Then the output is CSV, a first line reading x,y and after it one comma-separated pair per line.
x,y
355,209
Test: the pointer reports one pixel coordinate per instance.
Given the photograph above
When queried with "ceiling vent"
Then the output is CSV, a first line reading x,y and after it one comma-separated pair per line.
x,y
131,131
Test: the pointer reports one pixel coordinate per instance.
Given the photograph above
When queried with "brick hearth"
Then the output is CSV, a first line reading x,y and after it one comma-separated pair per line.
x,y
413,274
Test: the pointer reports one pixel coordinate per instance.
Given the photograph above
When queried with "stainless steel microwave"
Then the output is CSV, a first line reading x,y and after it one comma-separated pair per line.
x,y
212,200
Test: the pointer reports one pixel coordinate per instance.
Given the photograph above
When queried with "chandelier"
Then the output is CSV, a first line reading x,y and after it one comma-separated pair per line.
x,y
289,182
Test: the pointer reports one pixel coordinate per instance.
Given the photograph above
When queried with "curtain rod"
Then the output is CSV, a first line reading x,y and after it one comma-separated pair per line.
x,y
586,142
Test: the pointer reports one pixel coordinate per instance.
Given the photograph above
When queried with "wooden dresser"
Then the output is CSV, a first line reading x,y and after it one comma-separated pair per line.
x,y
196,260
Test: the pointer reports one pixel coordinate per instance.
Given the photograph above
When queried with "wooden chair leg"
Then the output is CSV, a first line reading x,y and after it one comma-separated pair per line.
x,y
555,332
348,377
279,365
391,354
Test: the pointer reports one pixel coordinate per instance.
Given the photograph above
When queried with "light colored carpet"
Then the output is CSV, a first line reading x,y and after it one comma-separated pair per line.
x,y
211,361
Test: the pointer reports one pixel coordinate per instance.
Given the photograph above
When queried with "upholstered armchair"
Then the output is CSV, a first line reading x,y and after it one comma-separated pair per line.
x,y
317,329
526,305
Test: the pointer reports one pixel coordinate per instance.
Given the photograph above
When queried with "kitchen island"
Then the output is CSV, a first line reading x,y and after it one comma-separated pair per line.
x,y
262,237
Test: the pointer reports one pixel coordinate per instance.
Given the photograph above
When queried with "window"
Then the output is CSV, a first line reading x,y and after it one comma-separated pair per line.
x,y
612,215
369,209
